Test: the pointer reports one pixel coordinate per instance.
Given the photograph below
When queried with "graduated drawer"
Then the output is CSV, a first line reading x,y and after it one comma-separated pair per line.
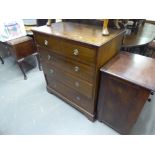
x,y
80,70
74,82
70,94
67,48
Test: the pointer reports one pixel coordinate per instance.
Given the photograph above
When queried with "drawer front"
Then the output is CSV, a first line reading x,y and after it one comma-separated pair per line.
x,y
80,70
66,48
70,94
24,49
48,42
75,83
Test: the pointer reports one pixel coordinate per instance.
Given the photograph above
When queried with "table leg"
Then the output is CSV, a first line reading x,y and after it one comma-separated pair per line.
x,y
128,49
21,68
38,60
143,49
2,60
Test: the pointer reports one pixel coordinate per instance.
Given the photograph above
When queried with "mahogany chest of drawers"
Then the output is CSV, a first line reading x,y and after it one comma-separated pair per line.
x,y
71,56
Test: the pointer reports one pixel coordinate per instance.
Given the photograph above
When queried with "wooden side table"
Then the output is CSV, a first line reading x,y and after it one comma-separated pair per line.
x,y
139,39
21,48
126,83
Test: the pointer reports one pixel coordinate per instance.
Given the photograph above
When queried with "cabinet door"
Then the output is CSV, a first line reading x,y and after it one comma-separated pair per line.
x,y
120,103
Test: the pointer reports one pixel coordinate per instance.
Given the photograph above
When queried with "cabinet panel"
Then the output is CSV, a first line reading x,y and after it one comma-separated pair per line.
x,y
120,103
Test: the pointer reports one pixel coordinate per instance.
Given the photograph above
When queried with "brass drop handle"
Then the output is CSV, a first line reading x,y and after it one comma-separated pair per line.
x,y
46,42
76,68
76,52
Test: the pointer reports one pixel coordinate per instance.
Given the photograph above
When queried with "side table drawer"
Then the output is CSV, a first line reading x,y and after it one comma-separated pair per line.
x,y
24,49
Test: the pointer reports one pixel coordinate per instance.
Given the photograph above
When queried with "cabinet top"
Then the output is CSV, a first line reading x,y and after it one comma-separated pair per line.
x,y
134,68
88,34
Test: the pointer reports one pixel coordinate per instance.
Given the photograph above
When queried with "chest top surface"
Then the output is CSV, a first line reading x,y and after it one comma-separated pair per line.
x,y
88,34
134,68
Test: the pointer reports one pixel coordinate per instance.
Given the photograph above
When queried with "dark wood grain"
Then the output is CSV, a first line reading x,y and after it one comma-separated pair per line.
x,y
75,98
120,103
134,68
74,82
66,48
75,68
83,33
22,47
126,83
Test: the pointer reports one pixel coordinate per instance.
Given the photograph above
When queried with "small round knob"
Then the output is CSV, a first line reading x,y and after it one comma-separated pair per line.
x,y
51,71
76,68
46,42
75,52
77,84
78,98
54,85
48,57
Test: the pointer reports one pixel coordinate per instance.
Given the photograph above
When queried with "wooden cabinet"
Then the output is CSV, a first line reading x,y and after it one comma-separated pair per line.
x,y
126,83
71,56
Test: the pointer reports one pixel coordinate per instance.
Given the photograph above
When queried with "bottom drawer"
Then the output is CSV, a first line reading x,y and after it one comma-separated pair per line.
x,y
68,93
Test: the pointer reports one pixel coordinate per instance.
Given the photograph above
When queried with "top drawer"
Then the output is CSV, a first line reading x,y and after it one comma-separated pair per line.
x,y
66,48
